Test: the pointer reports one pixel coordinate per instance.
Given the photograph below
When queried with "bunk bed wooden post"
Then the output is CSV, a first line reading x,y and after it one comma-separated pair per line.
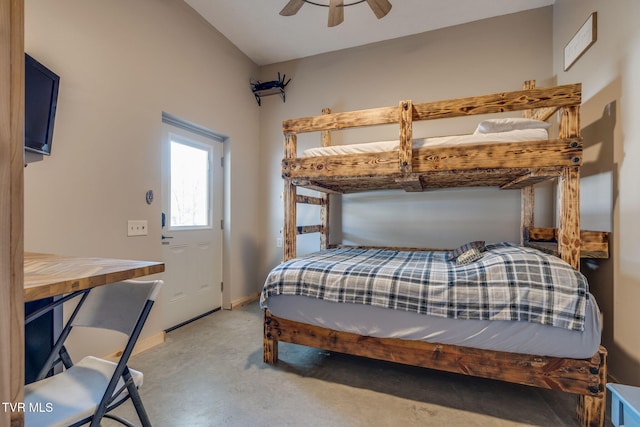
x,y
270,346
527,195
527,204
325,135
529,84
590,409
406,136
290,229
324,207
408,181
569,193
569,219
324,222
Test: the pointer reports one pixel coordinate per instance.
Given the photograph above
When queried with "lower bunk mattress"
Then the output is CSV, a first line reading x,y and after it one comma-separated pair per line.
x,y
497,335
516,336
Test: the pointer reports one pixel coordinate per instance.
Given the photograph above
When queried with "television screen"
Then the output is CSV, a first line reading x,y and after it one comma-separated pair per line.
x,y
41,97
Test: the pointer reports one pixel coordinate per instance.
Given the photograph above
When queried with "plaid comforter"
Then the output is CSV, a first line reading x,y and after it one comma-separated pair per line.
x,y
509,282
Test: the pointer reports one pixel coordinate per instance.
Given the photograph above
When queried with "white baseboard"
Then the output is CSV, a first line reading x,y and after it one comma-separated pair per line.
x,y
142,345
245,300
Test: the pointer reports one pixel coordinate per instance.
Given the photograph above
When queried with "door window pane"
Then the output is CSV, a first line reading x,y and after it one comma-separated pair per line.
x,y
190,181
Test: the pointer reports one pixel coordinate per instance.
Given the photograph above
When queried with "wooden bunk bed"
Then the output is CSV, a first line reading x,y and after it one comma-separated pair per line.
x,y
507,165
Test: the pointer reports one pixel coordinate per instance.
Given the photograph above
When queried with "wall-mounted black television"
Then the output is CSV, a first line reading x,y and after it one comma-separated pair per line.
x,y
40,102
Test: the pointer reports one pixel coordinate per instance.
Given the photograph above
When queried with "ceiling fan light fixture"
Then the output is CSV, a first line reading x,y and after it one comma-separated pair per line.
x,y
336,8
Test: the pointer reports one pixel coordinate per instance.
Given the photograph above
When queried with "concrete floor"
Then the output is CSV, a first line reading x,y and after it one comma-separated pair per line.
x,y
210,373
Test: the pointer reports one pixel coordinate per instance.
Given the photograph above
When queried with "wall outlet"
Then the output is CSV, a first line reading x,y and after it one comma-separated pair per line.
x,y
278,242
137,227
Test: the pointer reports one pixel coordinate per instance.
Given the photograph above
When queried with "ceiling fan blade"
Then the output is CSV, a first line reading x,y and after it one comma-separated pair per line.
x,y
292,7
336,12
380,7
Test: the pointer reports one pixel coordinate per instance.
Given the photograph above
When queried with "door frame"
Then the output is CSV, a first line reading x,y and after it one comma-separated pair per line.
x,y
171,123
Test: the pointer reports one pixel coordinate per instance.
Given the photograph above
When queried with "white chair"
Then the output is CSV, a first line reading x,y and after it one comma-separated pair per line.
x,y
86,391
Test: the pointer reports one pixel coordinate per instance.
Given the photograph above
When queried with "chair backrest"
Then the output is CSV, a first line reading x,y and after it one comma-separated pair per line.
x,y
117,306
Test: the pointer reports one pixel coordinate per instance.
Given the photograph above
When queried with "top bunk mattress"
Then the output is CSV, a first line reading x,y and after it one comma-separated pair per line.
x,y
514,135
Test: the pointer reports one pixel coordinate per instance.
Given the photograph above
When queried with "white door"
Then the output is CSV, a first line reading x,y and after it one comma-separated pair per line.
x,y
192,219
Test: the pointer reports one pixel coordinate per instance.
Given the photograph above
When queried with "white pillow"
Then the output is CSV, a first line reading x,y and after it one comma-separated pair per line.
x,y
509,124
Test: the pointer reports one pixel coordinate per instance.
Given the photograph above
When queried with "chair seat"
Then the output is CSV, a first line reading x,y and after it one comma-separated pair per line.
x,y
72,395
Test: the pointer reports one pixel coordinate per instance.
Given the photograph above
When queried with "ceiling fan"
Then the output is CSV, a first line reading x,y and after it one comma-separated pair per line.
x,y
336,8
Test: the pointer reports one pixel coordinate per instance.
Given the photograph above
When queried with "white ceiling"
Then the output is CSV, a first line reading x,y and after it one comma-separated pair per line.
x,y
256,27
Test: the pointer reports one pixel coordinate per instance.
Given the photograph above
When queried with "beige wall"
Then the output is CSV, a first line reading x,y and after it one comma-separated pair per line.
x,y
483,57
121,64
610,197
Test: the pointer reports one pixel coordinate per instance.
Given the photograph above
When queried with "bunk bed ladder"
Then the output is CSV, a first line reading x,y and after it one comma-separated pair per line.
x,y
323,227
291,229
292,198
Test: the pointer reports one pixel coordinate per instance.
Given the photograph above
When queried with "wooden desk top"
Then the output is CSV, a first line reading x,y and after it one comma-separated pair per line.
x,y
47,275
